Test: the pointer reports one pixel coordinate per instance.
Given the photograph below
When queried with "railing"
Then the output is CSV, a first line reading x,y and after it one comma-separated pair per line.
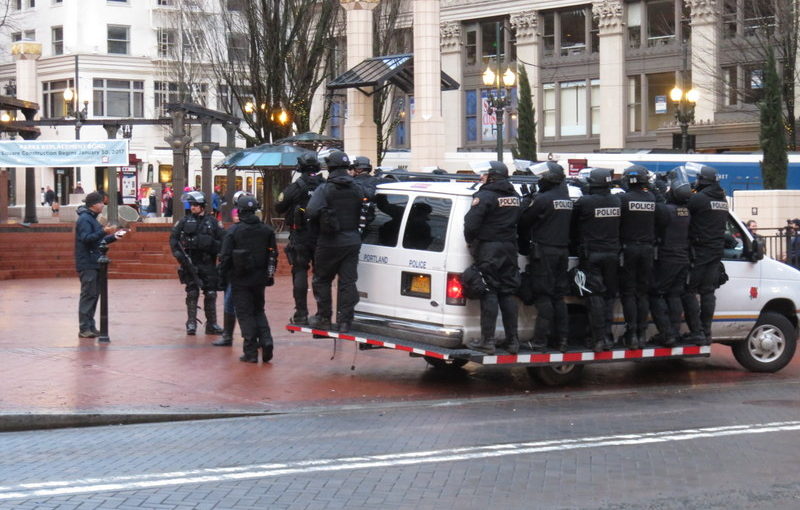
x,y
778,244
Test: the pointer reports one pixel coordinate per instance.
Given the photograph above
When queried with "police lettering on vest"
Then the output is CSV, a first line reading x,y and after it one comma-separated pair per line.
x,y
719,206
607,212
641,206
508,201
562,204
682,211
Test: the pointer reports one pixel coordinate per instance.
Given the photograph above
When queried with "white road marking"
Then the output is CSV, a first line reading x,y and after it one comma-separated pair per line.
x,y
208,475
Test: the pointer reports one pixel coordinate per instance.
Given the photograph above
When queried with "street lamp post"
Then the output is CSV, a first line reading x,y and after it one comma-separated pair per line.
x,y
499,101
684,112
70,99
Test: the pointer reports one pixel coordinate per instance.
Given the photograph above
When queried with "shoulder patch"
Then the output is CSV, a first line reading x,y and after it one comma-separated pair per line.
x,y
476,201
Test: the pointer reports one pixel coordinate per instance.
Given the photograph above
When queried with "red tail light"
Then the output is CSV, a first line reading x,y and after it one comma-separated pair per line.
x,y
455,290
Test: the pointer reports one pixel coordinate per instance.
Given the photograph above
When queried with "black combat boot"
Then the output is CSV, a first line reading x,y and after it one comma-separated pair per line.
x,y
191,312
319,322
300,318
512,344
483,344
229,322
210,306
563,344
250,348
541,330
266,348
692,313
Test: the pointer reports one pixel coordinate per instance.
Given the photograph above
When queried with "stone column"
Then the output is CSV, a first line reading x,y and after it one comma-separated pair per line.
x,y
360,130
612,73
25,55
179,140
230,174
452,101
427,125
206,148
112,175
525,27
705,57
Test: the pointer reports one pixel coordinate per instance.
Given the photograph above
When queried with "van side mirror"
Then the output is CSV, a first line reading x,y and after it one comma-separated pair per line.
x,y
756,250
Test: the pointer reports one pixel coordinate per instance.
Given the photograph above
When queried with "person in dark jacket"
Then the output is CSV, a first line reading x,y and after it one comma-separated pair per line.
x,y
637,235
50,196
88,236
198,236
672,265
362,174
335,209
490,229
546,223
249,257
595,229
708,207
292,203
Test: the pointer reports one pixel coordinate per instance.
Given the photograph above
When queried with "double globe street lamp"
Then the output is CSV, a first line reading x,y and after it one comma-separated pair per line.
x,y
499,99
684,111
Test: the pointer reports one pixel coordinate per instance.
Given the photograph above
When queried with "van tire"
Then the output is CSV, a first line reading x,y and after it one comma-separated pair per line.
x,y
557,375
445,364
780,337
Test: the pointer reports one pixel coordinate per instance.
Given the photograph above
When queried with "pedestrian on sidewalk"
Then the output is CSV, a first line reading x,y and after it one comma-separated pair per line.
x,y
50,196
88,236
249,258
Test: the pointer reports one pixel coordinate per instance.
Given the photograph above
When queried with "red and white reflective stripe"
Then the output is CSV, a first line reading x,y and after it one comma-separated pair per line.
x,y
584,356
370,341
567,357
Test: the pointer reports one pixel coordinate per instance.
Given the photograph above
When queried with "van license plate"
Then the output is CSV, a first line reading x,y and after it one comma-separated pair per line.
x,y
416,285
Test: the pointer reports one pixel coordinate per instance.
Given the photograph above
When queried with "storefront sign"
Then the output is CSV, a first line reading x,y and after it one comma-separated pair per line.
x,y
661,104
66,153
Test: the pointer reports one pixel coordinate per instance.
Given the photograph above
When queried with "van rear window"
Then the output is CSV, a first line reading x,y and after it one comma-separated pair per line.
x,y
385,228
426,227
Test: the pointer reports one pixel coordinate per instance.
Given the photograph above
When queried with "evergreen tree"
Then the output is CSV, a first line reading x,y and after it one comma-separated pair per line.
x,y
775,164
526,116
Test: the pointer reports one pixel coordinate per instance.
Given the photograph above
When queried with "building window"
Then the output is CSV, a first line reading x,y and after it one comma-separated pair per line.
x,y
471,110
57,34
238,50
634,104
753,84
53,104
573,108
660,22
481,39
731,77
634,25
27,35
594,93
549,105
18,5
481,124
173,92
404,111
166,42
573,31
118,98
549,33
118,39
118,1
16,36
164,2
657,98
336,122
233,101
31,3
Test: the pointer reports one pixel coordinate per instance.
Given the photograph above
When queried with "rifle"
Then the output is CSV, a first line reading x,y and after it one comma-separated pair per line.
x,y
188,266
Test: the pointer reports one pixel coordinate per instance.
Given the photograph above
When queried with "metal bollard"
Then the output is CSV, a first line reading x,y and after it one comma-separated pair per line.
x,y
103,282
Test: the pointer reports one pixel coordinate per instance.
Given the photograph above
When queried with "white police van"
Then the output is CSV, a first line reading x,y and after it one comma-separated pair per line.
x,y
411,296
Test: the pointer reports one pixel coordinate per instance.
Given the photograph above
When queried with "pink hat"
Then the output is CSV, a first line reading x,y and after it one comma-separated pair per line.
x,y
188,188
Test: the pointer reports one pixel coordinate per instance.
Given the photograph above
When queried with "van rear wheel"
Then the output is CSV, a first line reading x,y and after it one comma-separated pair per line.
x,y
445,363
770,345
557,375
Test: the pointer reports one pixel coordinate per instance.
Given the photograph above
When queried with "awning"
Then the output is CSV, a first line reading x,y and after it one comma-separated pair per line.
x,y
377,71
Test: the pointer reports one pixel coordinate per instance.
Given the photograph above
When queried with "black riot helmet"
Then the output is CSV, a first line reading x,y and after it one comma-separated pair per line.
x,y
247,203
362,165
194,198
635,175
308,163
337,160
497,170
548,172
599,178
707,175
679,188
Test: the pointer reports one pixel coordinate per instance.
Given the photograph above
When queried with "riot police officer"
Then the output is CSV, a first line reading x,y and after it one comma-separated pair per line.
x,y
195,242
596,218
249,258
637,235
672,264
490,229
708,207
302,238
335,208
547,223
363,177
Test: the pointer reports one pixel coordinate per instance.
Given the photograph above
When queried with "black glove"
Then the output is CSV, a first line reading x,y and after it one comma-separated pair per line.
x,y
270,281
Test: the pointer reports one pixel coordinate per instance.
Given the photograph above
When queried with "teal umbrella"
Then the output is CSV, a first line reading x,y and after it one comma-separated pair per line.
x,y
265,156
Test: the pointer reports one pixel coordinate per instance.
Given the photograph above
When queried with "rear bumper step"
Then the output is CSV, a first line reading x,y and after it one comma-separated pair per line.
x,y
525,357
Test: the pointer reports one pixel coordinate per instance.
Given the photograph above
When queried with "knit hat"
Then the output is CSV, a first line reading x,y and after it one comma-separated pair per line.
x,y
93,198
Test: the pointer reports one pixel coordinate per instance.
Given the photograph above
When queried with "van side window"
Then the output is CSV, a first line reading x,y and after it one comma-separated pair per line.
x,y
426,227
734,241
385,228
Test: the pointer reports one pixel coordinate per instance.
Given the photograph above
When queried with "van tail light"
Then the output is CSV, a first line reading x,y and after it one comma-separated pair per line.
x,y
455,290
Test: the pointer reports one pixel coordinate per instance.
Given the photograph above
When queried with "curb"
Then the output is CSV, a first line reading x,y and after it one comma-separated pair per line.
x,y
24,422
